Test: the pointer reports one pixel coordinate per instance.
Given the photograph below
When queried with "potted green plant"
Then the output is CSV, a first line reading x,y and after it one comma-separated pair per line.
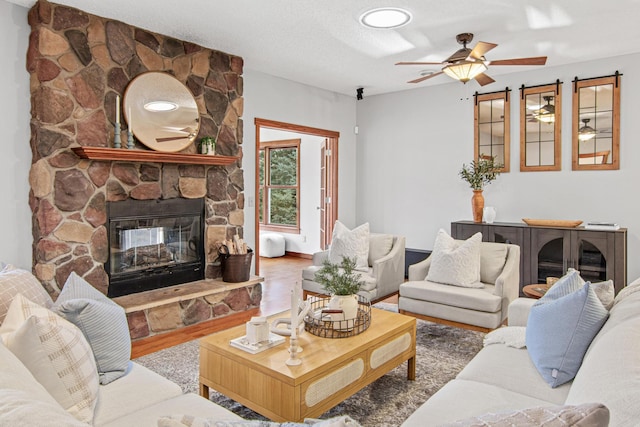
x,y
479,173
342,282
208,145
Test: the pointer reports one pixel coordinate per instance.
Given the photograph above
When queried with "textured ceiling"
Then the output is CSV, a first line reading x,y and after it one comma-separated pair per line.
x,y
322,44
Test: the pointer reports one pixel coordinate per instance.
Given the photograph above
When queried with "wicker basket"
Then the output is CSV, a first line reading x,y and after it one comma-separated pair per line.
x,y
321,325
236,267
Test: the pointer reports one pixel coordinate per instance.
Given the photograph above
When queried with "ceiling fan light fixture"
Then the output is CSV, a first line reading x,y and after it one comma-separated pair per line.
x,y
465,70
546,113
586,132
385,17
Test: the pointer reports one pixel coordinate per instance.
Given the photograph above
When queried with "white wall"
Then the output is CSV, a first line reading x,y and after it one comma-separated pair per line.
x,y
273,98
15,161
308,241
412,144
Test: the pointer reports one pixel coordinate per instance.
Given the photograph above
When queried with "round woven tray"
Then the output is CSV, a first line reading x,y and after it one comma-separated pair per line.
x,y
320,324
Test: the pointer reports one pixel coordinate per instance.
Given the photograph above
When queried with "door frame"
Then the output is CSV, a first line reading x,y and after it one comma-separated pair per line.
x,y
332,138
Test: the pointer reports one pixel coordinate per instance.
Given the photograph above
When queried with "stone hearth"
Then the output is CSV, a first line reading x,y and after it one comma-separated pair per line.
x,y
79,63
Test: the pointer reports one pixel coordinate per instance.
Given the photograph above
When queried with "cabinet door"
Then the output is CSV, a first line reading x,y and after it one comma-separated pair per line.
x,y
593,254
515,236
550,253
463,231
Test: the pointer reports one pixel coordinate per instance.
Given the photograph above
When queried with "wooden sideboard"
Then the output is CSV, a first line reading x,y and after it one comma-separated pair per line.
x,y
549,251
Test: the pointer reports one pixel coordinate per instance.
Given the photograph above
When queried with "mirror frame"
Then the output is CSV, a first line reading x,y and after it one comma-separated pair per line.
x,y
165,131
614,81
501,95
556,88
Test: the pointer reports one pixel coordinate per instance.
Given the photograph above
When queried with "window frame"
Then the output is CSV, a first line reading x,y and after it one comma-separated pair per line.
x,y
263,188
502,95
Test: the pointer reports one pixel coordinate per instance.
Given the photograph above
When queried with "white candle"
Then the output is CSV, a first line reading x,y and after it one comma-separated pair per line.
x,y
117,108
130,121
294,312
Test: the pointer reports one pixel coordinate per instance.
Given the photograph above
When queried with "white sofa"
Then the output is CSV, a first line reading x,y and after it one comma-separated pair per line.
x,y
383,277
137,399
503,378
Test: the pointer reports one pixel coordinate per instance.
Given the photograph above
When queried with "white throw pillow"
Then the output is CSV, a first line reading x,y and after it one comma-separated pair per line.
x,y
454,262
350,244
56,353
103,323
605,292
14,281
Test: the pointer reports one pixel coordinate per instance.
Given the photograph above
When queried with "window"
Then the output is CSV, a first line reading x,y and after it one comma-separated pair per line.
x,y
279,185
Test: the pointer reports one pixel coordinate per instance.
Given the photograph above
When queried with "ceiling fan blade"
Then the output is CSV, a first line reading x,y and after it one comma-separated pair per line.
x,y
483,79
418,63
421,79
535,60
480,49
171,138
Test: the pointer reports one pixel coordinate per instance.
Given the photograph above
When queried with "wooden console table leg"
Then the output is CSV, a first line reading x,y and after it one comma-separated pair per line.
x,y
411,369
204,391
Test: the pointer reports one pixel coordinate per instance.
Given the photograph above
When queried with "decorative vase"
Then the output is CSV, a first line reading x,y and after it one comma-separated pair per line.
x,y
347,303
489,214
477,204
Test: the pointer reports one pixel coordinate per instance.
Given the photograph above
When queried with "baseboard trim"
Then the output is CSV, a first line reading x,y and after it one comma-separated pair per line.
x,y
298,255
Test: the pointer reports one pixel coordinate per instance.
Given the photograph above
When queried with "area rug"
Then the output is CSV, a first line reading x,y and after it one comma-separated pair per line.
x,y
442,352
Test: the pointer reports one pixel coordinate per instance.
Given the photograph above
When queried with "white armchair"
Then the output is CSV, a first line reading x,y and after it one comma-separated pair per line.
x,y
480,309
381,280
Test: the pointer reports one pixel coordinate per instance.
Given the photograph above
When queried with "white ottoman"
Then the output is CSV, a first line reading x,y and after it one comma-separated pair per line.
x,y
271,245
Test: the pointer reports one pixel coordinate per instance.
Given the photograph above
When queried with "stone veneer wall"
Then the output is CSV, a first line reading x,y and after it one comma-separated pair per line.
x,y
78,64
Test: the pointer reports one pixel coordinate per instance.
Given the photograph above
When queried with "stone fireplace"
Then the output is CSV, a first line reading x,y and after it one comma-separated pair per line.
x,y
79,63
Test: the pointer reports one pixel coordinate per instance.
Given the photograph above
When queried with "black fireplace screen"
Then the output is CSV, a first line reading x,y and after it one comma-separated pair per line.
x,y
154,244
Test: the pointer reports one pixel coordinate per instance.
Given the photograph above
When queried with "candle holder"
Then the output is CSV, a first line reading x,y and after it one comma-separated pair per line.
x,y
130,144
293,359
116,137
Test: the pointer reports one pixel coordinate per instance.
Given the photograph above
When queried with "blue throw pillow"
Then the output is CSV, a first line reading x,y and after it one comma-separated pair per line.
x,y
561,327
103,323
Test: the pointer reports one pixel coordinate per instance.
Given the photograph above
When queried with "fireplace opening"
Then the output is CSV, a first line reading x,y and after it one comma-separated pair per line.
x,y
154,244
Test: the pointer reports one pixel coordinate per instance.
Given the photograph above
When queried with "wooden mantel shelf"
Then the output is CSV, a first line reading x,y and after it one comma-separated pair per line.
x,y
123,154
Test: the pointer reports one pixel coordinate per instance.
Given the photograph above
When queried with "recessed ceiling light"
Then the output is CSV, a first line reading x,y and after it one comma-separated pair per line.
x,y
385,17
158,106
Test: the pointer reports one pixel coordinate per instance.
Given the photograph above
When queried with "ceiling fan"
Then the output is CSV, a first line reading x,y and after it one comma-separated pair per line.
x,y
189,131
466,64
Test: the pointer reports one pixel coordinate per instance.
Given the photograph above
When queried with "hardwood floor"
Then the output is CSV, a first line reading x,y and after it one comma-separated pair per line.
x,y
280,274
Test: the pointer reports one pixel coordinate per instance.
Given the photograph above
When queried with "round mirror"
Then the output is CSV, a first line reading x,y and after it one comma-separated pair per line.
x,y
161,112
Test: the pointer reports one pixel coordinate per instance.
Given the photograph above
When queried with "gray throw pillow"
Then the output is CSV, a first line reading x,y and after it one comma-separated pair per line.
x,y
103,323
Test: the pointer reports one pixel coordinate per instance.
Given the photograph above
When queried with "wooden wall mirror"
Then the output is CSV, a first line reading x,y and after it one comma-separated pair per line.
x,y
492,127
596,123
540,127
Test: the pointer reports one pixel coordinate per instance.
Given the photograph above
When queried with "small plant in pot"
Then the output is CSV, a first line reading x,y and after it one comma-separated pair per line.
x,y
479,173
342,282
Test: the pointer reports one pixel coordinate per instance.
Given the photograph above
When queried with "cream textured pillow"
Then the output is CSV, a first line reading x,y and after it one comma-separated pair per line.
x,y
14,281
56,353
454,262
350,243
588,414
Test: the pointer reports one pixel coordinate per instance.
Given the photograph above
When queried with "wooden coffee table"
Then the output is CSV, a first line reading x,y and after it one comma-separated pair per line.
x,y
331,369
